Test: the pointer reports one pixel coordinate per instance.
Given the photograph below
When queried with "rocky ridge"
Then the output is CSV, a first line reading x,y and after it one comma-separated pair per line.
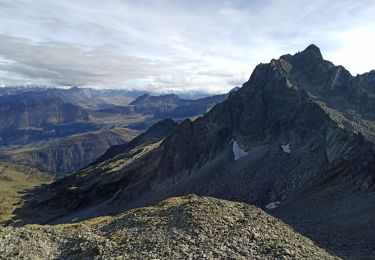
x,y
188,227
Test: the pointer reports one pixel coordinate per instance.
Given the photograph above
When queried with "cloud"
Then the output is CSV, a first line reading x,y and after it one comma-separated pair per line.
x,y
67,64
185,45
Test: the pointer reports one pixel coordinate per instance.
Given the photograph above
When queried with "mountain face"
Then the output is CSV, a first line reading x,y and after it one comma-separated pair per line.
x,y
179,228
297,137
23,120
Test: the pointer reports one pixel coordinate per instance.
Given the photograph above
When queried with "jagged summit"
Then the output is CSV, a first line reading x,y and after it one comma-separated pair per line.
x,y
311,53
313,50
320,78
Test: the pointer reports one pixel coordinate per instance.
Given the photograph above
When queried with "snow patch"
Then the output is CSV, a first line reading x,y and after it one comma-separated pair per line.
x,y
238,152
285,148
273,205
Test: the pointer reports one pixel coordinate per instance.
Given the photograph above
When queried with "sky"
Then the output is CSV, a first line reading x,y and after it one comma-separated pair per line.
x,y
174,45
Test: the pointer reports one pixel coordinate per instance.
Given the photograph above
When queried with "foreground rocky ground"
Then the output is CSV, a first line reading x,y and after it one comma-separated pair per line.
x,y
188,227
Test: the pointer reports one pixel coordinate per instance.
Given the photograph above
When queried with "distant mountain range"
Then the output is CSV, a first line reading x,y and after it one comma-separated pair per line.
x,y
298,140
100,98
63,130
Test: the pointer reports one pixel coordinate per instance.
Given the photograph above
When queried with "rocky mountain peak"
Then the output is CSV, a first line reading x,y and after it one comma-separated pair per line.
x,y
308,71
75,89
312,51
307,65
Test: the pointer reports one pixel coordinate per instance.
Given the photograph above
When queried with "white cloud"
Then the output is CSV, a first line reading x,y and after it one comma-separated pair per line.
x,y
189,45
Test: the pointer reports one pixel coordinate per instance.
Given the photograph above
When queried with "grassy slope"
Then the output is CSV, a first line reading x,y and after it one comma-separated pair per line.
x,y
14,181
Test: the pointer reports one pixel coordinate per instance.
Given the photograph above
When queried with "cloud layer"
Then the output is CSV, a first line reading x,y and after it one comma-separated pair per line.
x,y
174,45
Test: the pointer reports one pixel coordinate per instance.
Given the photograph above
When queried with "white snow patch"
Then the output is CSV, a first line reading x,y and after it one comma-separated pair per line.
x,y
285,148
238,152
272,205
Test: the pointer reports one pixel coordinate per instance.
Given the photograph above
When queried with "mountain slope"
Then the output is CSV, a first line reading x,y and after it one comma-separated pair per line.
x,y
15,180
299,120
338,211
96,183
157,132
23,120
178,228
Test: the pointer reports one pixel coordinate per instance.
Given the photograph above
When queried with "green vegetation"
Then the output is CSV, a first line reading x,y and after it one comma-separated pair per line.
x,y
15,180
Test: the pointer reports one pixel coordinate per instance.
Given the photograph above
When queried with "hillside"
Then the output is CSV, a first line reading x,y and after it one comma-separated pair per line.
x,y
189,227
15,181
298,130
24,120
157,133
